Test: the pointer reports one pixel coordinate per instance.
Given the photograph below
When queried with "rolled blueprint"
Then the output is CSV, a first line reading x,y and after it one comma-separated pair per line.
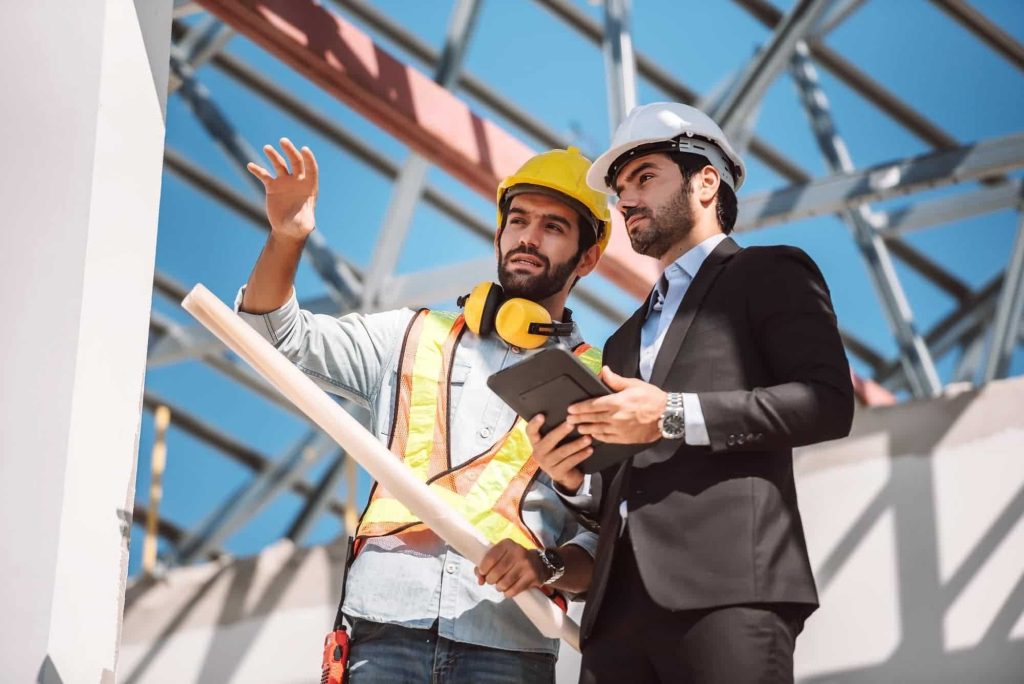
x,y
366,450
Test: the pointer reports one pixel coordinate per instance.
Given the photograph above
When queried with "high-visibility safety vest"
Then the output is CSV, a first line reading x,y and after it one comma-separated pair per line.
x,y
486,490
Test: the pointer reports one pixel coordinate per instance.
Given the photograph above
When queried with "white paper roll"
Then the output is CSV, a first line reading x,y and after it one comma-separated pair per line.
x,y
366,450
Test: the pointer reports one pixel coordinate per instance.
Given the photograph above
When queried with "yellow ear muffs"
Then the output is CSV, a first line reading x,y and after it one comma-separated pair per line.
x,y
480,307
520,322
515,323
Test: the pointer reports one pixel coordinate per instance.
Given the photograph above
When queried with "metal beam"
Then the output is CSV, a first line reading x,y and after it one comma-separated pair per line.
x,y
619,62
165,529
984,200
408,185
837,192
956,328
775,160
907,116
241,505
1008,312
230,447
837,13
472,86
767,64
667,83
199,43
918,366
433,122
982,27
314,507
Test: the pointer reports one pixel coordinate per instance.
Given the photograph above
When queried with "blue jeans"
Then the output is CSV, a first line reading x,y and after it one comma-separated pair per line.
x,y
389,654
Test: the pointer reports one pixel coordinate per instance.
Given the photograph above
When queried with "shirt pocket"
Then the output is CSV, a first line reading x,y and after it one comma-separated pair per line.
x,y
459,377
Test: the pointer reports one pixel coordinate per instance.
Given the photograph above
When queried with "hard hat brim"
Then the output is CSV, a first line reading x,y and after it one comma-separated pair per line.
x,y
696,145
599,169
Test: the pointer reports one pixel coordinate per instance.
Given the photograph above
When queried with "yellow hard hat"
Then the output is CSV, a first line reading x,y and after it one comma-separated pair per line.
x,y
561,174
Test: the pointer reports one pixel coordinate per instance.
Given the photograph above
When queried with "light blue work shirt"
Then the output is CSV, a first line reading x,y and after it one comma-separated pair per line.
x,y
413,579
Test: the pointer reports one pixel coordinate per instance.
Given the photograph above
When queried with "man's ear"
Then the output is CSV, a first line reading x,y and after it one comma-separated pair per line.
x,y
708,182
588,261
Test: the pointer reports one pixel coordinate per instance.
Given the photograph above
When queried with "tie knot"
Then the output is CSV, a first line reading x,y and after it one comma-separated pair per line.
x,y
660,292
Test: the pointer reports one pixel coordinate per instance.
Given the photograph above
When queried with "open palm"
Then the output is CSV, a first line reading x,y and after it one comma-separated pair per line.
x,y
291,195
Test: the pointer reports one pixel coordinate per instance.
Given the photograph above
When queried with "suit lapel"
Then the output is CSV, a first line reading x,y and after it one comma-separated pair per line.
x,y
695,294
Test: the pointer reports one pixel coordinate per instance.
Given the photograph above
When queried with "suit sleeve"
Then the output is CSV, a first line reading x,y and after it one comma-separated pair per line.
x,y
811,396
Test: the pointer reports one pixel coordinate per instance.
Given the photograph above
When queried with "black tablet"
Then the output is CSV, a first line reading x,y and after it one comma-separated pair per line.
x,y
548,382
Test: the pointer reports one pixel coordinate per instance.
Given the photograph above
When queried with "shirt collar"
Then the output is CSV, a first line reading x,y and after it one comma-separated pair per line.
x,y
685,267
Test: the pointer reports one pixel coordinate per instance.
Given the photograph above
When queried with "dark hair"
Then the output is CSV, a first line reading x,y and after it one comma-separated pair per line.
x,y
726,207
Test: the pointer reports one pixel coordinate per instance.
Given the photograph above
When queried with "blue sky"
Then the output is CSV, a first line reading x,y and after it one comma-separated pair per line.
x,y
534,60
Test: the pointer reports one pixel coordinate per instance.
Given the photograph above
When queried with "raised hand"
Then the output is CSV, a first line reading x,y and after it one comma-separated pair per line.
x,y
291,195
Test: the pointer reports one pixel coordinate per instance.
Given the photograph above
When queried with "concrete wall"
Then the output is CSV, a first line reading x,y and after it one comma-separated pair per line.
x,y
915,525
82,96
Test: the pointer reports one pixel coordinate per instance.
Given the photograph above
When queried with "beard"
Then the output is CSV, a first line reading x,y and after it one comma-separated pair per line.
x,y
538,287
672,222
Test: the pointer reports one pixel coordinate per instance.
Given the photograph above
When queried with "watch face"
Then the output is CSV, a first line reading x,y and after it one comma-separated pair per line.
x,y
554,560
673,426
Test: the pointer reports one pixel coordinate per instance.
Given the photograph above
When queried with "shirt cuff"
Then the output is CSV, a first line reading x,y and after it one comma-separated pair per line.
x,y
586,541
272,326
693,416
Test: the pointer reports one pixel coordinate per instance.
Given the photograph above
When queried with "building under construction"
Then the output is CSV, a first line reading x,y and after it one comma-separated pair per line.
x,y
169,516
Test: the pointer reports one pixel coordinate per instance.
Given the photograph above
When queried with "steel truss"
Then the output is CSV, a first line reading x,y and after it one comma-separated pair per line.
x,y
985,326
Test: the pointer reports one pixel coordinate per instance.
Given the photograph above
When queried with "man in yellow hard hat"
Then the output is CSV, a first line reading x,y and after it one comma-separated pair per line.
x,y
418,610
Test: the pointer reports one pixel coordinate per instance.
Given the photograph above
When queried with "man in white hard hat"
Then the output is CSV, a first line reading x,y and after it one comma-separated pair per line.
x,y
701,572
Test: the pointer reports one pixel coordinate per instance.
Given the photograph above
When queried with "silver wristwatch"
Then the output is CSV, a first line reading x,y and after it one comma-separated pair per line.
x,y
672,423
553,563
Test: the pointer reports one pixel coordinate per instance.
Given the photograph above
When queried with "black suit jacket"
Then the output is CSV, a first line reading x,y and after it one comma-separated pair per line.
x,y
755,338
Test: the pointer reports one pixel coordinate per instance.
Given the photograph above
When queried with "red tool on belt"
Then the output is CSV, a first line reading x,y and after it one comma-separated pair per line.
x,y
334,667
335,661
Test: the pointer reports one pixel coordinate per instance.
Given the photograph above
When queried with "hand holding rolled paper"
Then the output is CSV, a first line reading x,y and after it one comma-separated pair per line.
x,y
366,450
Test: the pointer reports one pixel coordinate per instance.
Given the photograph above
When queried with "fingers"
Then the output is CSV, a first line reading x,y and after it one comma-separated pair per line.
x,y
259,172
298,166
280,167
312,170
524,582
533,428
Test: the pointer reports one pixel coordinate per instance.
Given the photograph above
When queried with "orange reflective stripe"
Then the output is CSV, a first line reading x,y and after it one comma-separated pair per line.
x,y
487,490
440,451
400,422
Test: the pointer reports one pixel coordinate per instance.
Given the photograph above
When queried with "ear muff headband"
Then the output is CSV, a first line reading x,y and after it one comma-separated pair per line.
x,y
520,322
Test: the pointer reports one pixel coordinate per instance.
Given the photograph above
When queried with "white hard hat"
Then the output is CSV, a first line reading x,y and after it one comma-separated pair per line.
x,y
666,127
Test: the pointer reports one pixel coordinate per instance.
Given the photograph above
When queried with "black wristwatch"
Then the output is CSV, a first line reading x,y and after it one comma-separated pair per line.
x,y
553,563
